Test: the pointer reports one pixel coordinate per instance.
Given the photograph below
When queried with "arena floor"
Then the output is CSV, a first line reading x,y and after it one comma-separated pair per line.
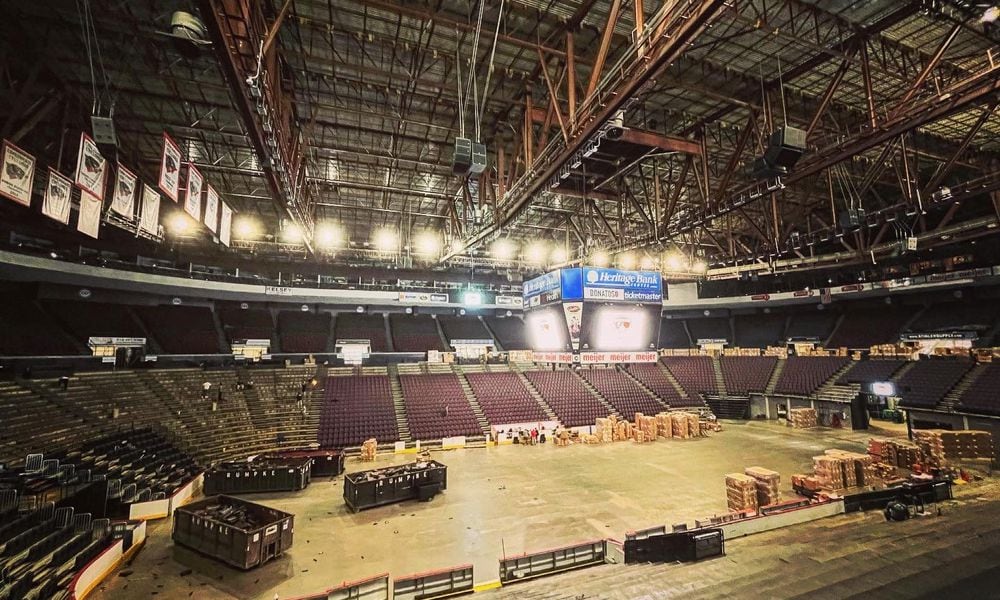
x,y
509,499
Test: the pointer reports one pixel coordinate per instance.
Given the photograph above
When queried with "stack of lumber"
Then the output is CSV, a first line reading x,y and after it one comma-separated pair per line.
x,y
802,418
664,428
368,449
941,446
896,453
767,485
741,492
679,425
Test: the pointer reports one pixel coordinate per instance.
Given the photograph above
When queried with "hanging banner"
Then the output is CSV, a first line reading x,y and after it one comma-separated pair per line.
x,y
58,194
17,175
91,168
225,224
212,208
192,197
89,221
149,217
170,168
123,198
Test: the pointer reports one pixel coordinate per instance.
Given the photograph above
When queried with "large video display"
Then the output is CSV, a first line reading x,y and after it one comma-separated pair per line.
x,y
591,309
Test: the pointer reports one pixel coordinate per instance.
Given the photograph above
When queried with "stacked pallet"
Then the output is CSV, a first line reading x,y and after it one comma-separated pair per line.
x,y
368,450
664,428
767,484
896,453
802,418
741,492
942,446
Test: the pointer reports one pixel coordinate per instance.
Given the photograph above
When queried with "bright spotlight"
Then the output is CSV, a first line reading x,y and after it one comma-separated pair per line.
x,y
246,228
181,224
457,246
536,252
699,266
559,255
503,249
428,243
675,261
329,235
647,263
626,261
600,258
385,240
292,233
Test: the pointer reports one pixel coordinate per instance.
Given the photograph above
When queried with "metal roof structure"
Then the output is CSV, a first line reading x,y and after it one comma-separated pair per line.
x,y
319,113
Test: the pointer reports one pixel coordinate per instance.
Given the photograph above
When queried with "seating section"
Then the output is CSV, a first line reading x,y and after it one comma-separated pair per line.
x,y
864,328
869,371
622,392
812,325
504,398
695,374
803,375
927,382
93,319
246,324
355,408
27,330
414,333
713,328
509,332
656,380
981,396
352,326
759,331
464,328
436,406
563,391
303,331
673,334
182,329
976,316
747,374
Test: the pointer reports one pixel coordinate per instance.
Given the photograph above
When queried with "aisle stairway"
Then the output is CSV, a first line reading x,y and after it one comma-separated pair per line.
x,y
673,380
538,397
471,397
720,381
402,425
779,368
593,391
831,390
954,395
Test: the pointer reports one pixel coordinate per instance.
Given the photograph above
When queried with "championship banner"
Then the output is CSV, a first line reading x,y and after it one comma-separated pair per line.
x,y
91,168
225,224
149,216
123,198
192,197
18,174
170,168
212,208
58,194
89,221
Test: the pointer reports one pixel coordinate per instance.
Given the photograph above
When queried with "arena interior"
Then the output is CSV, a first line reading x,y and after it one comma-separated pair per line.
x,y
548,299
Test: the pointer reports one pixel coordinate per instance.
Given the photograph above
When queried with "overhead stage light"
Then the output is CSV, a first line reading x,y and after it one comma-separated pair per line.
x,y
559,255
675,261
626,261
181,224
385,240
647,262
246,228
600,258
428,243
292,233
503,249
536,252
329,235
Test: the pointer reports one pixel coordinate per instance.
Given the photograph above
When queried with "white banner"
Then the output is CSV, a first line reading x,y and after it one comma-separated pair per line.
x,y
617,357
149,217
170,168
553,357
18,174
225,224
212,208
58,194
192,196
123,199
91,168
89,221
509,301
131,342
278,290
426,297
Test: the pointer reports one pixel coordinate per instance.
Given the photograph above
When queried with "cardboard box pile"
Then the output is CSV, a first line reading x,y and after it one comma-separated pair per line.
x,y
805,482
940,446
767,485
679,425
694,426
802,418
839,469
741,492
647,426
604,429
897,453
563,438
623,431
368,449
829,472
663,425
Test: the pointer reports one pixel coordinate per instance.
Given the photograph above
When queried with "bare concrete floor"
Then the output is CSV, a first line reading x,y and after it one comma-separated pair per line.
x,y
509,499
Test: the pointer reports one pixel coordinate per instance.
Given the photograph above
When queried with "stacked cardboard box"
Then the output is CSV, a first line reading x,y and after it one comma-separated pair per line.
x,y
640,436
604,429
694,426
741,492
562,439
897,453
767,484
942,446
623,431
679,425
663,425
829,472
805,482
588,438
648,427
802,418
368,450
